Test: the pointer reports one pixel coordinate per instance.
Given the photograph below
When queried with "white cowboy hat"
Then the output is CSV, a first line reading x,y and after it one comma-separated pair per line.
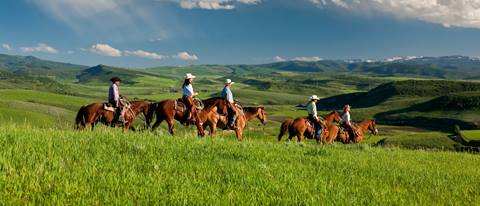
x,y
229,81
314,97
189,76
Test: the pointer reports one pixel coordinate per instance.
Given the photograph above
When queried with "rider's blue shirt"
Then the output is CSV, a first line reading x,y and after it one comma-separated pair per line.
x,y
227,94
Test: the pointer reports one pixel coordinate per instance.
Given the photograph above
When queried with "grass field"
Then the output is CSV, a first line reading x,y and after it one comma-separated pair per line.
x,y
44,166
43,161
471,134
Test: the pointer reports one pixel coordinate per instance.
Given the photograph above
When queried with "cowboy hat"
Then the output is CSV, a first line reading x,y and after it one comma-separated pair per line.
x,y
229,81
189,76
347,106
314,97
115,79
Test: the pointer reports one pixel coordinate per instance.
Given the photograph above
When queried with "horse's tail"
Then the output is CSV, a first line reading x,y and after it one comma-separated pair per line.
x,y
80,118
284,128
151,111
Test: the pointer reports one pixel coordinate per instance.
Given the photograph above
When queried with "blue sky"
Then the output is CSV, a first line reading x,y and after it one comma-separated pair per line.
x,y
146,33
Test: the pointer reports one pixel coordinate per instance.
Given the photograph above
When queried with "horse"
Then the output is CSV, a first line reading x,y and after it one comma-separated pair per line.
x,y
301,128
362,128
93,113
170,110
216,120
255,112
90,114
328,120
342,136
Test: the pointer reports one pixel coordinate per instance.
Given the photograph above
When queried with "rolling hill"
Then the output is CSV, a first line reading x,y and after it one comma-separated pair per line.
x,y
32,66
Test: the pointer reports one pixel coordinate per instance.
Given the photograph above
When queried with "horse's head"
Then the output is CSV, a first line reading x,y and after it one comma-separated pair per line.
x,y
262,115
333,116
372,126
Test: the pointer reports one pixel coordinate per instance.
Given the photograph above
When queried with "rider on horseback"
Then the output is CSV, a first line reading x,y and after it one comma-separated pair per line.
x,y
347,121
187,97
115,100
312,115
232,109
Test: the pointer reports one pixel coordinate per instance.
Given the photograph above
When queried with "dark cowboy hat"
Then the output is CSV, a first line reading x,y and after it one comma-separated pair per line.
x,y
115,79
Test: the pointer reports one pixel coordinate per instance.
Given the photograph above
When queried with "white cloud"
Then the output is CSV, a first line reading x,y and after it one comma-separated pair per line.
x,y
144,54
458,13
307,59
278,59
6,47
41,47
215,4
70,52
186,56
105,50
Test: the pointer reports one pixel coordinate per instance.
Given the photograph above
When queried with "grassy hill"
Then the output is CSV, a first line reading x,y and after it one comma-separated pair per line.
x,y
102,73
47,166
32,66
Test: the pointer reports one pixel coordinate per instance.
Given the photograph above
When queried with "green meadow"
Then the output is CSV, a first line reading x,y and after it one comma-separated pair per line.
x,y
44,166
412,161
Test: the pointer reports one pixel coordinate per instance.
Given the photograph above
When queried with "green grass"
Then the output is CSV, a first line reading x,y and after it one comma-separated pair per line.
x,y
63,101
471,134
46,166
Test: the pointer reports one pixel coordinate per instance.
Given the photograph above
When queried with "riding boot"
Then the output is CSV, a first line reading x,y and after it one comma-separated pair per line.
x,y
318,132
231,121
186,119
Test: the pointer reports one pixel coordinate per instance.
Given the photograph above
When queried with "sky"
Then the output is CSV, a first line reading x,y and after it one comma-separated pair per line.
x,y
148,33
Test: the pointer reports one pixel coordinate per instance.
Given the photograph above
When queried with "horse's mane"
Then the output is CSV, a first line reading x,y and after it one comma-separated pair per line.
x,y
332,112
208,103
209,100
251,109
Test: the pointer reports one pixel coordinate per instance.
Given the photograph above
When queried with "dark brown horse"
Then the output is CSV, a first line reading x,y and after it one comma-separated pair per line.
x,y
328,120
215,120
93,113
301,128
90,114
170,110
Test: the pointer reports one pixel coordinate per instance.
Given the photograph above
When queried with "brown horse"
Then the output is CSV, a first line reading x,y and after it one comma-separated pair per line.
x,y
255,112
90,114
362,128
343,136
170,110
216,120
301,128
328,120
93,113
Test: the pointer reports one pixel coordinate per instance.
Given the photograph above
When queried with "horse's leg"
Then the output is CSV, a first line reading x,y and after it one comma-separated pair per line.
x,y
171,126
157,123
238,134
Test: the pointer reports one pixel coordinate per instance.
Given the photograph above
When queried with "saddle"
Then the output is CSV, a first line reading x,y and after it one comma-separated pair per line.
x,y
180,105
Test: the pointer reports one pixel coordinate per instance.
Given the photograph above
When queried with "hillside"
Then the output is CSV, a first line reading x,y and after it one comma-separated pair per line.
x,y
45,166
32,66
408,88
434,104
102,73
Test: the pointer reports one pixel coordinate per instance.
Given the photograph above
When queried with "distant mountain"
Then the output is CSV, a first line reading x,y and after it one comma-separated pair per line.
x,y
446,67
32,66
102,73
